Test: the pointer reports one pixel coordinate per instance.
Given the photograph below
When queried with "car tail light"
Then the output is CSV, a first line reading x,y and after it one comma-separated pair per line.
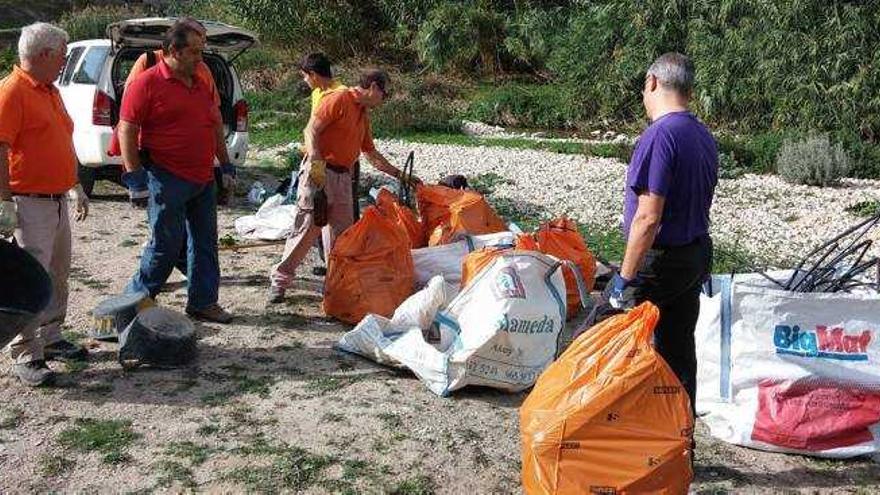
x,y
241,116
102,109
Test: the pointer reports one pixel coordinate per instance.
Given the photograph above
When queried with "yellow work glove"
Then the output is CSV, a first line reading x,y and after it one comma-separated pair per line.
x,y
318,172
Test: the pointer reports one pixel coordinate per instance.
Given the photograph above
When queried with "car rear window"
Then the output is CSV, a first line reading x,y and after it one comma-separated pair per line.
x,y
72,59
90,69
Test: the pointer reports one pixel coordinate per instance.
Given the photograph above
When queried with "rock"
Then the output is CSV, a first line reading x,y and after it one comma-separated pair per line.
x,y
479,129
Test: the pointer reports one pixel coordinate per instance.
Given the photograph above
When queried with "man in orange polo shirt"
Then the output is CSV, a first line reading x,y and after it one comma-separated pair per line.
x,y
338,133
37,176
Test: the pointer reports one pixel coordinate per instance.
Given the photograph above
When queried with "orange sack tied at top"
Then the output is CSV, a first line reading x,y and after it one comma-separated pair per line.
x,y
609,416
448,213
401,216
560,238
370,269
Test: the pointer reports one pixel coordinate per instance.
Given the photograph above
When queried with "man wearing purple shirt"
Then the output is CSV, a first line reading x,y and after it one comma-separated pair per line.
x,y
669,187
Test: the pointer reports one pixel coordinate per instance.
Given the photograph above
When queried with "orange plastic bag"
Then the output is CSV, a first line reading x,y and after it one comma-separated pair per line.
x,y
609,416
560,238
370,269
449,213
401,216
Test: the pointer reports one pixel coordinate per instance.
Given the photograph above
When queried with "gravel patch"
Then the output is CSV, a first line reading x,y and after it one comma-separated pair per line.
x,y
762,215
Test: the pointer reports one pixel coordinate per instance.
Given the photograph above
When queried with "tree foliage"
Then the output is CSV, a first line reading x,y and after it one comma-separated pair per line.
x,y
762,65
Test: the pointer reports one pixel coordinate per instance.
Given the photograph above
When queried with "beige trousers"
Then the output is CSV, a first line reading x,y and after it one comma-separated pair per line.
x,y
44,232
339,217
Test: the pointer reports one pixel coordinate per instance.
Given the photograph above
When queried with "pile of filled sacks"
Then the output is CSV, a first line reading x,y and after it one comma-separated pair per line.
x,y
452,294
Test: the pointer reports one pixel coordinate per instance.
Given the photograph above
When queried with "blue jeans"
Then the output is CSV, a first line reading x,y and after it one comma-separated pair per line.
x,y
181,213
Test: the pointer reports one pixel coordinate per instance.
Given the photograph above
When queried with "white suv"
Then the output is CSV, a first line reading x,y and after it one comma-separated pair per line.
x,y
93,79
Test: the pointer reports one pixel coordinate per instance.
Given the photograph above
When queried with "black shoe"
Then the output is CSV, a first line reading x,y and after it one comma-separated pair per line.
x,y
319,271
34,373
64,350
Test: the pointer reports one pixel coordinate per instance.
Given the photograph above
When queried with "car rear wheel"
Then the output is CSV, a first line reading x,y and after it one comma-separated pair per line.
x,y
86,179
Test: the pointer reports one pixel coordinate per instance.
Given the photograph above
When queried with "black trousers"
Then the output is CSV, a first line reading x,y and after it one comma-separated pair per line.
x,y
671,279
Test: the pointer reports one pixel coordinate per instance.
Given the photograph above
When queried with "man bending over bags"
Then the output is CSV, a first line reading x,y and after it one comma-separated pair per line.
x,y
338,133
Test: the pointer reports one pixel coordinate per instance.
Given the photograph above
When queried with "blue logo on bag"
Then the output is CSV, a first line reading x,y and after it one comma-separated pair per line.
x,y
508,284
824,342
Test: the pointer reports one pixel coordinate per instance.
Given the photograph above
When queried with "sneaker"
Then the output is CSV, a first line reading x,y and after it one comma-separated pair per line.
x,y
319,271
213,313
34,373
65,350
276,294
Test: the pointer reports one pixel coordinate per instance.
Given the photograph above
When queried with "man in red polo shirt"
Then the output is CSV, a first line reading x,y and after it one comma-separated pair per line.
x,y
175,115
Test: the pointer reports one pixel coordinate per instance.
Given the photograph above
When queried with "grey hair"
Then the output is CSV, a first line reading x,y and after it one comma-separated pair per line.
x,y
674,71
40,36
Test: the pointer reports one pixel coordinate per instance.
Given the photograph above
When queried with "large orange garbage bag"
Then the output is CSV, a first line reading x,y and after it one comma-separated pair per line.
x,y
449,213
609,416
370,269
560,238
401,216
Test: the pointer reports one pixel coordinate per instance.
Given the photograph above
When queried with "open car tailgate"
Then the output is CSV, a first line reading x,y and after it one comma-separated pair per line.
x,y
223,39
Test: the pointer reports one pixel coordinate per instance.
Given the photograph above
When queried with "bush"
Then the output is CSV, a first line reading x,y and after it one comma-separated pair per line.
x,y
531,36
340,28
8,58
865,156
814,161
462,37
810,64
867,208
604,50
755,153
522,105
400,116
91,22
729,168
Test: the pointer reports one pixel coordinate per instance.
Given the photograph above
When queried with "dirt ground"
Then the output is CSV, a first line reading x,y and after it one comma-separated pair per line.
x,y
270,406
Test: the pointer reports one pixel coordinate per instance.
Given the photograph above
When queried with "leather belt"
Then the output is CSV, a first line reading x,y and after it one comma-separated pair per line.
x,y
39,195
339,169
